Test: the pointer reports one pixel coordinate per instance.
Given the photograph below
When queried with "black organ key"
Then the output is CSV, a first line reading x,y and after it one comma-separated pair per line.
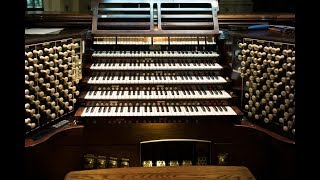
x,y
174,109
179,109
225,108
215,108
190,108
167,108
196,109
204,92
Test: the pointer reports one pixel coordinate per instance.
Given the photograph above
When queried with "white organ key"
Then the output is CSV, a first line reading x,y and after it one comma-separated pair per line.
x,y
130,113
112,111
96,111
93,111
154,111
153,95
206,111
183,111
98,94
215,111
101,111
171,111
87,96
179,111
125,111
125,95
140,111
221,110
86,111
198,111
230,111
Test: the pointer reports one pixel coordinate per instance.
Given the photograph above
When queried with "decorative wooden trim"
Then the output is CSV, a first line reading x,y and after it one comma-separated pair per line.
x,y
237,110
270,133
62,19
29,142
79,112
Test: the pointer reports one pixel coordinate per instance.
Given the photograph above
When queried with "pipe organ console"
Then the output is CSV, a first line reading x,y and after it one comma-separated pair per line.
x,y
152,84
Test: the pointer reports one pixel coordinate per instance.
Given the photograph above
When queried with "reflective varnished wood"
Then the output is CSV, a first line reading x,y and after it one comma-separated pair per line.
x,y
247,124
29,142
174,172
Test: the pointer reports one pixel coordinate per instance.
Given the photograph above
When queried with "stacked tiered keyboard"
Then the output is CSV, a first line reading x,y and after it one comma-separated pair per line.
x,y
155,73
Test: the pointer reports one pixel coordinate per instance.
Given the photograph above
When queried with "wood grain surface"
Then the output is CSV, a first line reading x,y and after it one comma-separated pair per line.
x,y
29,142
176,173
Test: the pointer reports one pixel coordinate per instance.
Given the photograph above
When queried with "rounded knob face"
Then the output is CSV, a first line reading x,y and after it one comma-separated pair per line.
x,y
53,116
27,106
32,125
27,121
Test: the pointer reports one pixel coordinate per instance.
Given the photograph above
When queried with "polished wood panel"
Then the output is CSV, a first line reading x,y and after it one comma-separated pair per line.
x,y
266,157
270,133
177,173
63,19
29,142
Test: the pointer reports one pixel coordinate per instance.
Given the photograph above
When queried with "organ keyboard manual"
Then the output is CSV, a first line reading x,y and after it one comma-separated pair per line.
x,y
157,60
